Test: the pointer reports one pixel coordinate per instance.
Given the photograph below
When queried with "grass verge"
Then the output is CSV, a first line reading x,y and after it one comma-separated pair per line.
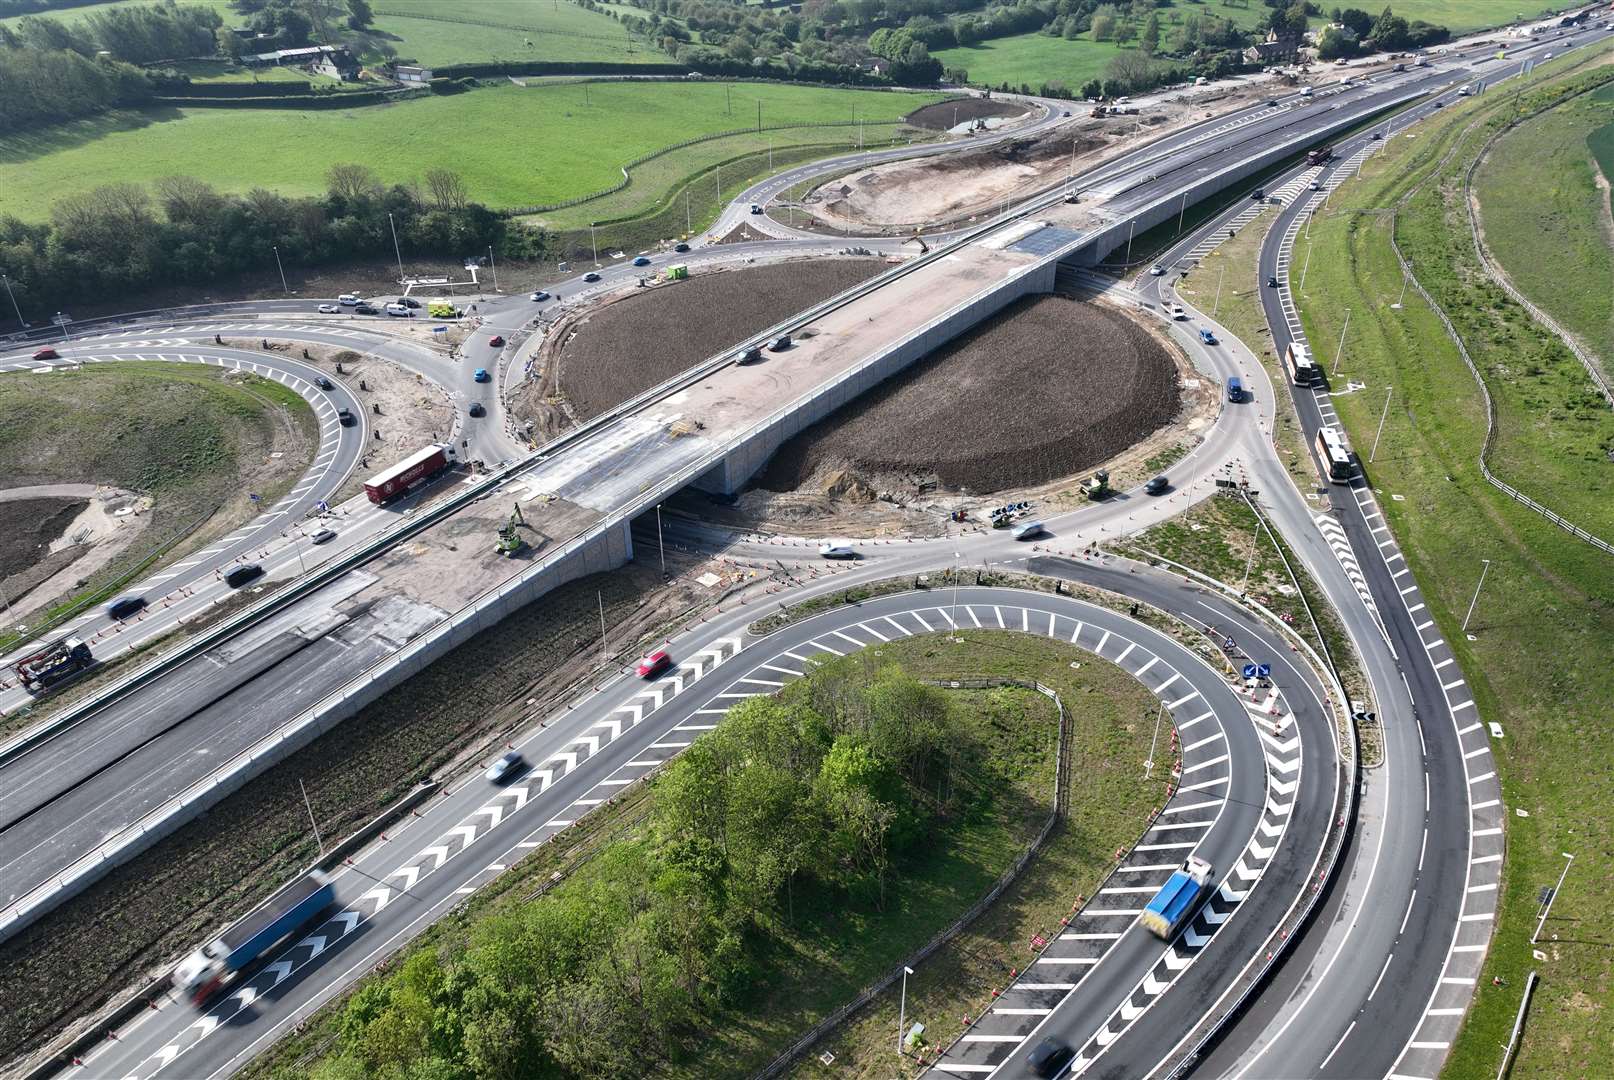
x,y
1546,616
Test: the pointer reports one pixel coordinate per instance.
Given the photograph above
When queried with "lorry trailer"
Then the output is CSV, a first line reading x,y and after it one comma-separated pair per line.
x,y
1319,155
1178,898
408,474
54,664
217,964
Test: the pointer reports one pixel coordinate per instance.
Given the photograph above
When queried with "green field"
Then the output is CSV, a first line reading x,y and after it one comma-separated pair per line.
x,y
1547,221
467,31
515,146
1032,59
76,14
1544,626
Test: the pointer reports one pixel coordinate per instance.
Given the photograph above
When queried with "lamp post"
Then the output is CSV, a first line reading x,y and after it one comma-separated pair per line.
x,y
1546,909
1382,417
13,296
396,250
659,545
495,268
1483,571
1341,350
282,270
594,243
953,617
1218,302
902,1009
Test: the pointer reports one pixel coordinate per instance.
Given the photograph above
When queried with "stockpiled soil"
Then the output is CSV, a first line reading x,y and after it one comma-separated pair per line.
x,y
626,347
941,116
28,527
1045,389
141,916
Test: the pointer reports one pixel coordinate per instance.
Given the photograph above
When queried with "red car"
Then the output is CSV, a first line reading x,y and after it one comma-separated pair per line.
x,y
654,664
47,354
496,341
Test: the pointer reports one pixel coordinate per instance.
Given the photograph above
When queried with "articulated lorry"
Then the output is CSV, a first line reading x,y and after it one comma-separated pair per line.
x,y
1178,898
202,974
1320,155
408,474
56,663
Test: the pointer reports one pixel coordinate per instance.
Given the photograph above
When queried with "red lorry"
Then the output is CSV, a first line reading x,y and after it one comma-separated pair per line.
x,y
408,474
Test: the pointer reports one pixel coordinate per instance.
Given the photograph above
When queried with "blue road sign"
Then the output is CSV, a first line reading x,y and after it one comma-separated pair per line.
x,y
324,506
1249,671
1263,671
254,498
1229,645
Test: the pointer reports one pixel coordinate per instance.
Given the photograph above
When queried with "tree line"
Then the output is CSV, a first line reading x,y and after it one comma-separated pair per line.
x,y
798,805
182,231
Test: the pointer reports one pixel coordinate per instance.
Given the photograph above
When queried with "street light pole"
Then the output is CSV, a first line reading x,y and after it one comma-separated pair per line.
x,y
1382,417
1181,210
594,243
1483,571
282,270
1148,766
659,545
1341,350
13,296
1305,268
396,250
1219,279
1405,278
1127,259
317,838
495,268
902,1010
953,617
1546,909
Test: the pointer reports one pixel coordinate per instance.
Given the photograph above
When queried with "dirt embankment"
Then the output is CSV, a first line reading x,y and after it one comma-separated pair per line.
x,y
603,355
949,114
1049,387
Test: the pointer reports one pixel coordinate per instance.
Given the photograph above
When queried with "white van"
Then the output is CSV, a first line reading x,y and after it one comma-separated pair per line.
x,y
347,299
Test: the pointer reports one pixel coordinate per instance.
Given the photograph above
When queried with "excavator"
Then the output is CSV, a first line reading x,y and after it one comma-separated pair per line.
x,y
510,541
924,248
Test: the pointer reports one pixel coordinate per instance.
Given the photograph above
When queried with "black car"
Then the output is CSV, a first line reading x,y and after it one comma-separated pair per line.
x,y
1272,282
125,606
680,247
346,418
1157,486
591,276
780,343
324,384
1258,194
749,356
409,301
366,309
1050,1057
476,409
237,576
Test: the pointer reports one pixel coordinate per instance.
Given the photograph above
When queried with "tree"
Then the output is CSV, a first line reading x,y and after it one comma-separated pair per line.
x,y
1336,43
445,189
1149,39
1356,20
352,182
1104,25
1390,32
359,15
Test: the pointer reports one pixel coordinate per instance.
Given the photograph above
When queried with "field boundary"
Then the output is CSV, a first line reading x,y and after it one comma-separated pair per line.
x,y
505,26
1008,878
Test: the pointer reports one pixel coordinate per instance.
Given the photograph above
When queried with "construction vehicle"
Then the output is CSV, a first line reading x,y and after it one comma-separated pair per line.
x,y
56,663
202,974
924,248
1177,899
510,541
1097,486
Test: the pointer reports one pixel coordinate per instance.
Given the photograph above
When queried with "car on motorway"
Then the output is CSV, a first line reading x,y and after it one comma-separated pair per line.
x,y
1272,282
329,309
366,309
496,341
641,260
348,299
1257,195
323,383
1314,186
1028,531
323,536
680,247
399,311
409,301
780,343
237,576
591,277
1440,104
756,208
1377,135
1235,388
1049,1057
1207,337
477,409
539,297
1157,270
125,606
1176,311
1273,104
750,355
481,375
1157,486
506,767
346,418
47,354
654,664
836,551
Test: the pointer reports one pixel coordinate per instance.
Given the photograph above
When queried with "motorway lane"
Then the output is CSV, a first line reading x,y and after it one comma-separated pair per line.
x,y
583,753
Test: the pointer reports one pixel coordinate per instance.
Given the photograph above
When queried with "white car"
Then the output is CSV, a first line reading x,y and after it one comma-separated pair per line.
x,y
1157,270
328,309
836,551
399,310
1315,186
1176,311
505,767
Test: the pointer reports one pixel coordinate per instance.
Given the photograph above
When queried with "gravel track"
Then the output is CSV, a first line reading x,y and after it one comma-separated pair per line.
x,y
1047,388
626,347
941,116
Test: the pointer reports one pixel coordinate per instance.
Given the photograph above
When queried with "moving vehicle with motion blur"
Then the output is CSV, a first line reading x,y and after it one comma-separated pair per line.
x,y
56,663
219,963
1177,899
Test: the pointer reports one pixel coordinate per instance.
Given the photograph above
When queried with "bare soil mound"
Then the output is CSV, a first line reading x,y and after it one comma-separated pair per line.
x,y
946,114
1047,388
27,527
614,352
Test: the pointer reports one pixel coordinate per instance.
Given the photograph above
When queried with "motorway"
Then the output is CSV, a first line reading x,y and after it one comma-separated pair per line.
x,y
1237,442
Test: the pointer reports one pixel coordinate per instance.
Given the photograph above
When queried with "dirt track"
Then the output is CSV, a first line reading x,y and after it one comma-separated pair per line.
x,y
611,353
946,114
1048,388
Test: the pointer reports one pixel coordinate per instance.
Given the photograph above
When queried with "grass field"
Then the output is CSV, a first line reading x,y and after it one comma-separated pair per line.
x,y
468,31
76,14
824,957
1547,221
515,146
1033,59
1545,623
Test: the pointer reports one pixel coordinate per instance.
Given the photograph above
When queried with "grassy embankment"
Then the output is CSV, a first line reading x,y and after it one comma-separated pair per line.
x,y
515,146
806,966
189,437
474,31
1557,244
1544,625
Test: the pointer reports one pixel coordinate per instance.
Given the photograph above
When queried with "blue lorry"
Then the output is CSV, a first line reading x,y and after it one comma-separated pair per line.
x,y
1178,898
205,972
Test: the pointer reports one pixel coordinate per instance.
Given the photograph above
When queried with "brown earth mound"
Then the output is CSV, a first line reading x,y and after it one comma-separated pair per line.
x,y
27,528
946,114
1047,388
617,351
